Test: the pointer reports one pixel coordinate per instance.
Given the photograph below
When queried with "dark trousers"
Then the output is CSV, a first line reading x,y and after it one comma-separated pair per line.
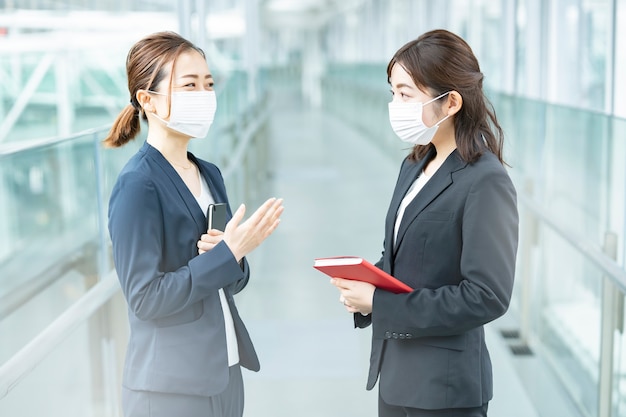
x,y
386,410
157,404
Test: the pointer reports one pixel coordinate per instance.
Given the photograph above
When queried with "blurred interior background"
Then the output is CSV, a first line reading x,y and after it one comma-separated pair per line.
x,y
302,83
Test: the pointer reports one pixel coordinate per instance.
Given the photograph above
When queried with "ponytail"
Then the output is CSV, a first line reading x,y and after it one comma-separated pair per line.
x,y
124,129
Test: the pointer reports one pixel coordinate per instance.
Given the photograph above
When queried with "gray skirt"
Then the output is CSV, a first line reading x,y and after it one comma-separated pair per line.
x,y
157,404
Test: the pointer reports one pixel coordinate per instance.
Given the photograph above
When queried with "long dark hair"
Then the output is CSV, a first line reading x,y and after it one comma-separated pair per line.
x,y
145,69
440,61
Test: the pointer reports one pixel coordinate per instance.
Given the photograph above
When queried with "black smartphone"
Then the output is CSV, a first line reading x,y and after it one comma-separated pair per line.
x,y
216,216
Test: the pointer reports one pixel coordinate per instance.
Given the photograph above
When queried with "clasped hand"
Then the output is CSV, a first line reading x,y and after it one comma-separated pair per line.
x,y
243,238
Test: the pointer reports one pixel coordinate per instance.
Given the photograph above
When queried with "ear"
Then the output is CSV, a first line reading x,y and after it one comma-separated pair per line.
x,y
454,103
145,100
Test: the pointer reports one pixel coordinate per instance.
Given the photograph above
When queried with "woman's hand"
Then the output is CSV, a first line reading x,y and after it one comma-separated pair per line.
x,y
357,296
208,240
243,238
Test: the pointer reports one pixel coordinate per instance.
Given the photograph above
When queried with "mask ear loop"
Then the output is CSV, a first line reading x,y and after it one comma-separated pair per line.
x,y
437,98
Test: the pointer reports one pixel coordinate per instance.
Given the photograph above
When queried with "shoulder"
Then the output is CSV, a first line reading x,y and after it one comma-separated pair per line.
x,y
488,174
136,179
486,165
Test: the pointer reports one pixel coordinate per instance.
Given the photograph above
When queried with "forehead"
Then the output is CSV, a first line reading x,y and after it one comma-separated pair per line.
x,y
399,76
190,63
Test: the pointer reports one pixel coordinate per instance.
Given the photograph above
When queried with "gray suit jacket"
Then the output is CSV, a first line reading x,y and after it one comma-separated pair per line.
x,y
177,340
456,247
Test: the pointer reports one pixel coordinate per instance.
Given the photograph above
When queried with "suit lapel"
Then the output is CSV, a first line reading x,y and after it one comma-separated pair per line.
x,y
216,193
407,178
441,180
179,185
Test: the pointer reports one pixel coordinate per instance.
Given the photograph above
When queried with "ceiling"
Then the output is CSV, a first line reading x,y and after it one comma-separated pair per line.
x,y
302,14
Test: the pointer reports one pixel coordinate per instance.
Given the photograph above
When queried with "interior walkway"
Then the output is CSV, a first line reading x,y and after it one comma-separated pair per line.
x,y
336,188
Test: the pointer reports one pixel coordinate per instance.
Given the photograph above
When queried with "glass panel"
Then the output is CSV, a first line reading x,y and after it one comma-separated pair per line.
x,y
80,377
52,210
487,42
577,52
619,380
574,170
564,159
530,47
620,60
50,207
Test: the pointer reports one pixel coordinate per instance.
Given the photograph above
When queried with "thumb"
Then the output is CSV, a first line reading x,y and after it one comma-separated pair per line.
x,y
237,217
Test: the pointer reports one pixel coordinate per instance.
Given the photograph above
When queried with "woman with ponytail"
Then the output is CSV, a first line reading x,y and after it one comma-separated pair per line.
x,y
450,234
187,340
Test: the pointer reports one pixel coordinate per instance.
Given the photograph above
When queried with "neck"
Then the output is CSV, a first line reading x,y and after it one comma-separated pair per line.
x,y
444,149
444,145
173,148
444,141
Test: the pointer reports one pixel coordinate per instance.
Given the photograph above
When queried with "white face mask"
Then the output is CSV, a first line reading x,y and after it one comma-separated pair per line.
x,y
191,112
406,121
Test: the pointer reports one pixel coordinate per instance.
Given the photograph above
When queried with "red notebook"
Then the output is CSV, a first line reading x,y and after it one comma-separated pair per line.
x,y
353,267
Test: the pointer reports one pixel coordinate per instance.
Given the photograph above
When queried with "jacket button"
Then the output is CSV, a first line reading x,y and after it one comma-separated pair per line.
x,y
387,335
402,335
409,336
394,335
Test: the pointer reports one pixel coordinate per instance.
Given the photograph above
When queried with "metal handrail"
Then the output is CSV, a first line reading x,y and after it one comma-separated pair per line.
x,y
27,359
614,271
10,148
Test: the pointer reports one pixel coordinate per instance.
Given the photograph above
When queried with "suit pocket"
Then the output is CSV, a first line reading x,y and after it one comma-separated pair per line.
x,y
457,342
188,315
435,216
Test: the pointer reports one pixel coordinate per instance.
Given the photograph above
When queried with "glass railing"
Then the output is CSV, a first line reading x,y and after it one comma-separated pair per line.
x,y
62,317
568,168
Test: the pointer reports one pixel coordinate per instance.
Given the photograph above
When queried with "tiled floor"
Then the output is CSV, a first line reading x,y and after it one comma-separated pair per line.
x,y
336,188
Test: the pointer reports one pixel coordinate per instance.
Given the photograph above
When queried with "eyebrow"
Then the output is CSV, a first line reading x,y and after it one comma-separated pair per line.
x,y
194,76
401,85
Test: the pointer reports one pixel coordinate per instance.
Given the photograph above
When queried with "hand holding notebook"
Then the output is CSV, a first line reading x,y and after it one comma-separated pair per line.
x,y
355,268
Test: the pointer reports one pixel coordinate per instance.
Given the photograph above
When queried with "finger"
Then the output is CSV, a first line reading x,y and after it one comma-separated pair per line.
x,y
271,229
205,246
260,214
276,211
211,238
352,309
342,284
237,217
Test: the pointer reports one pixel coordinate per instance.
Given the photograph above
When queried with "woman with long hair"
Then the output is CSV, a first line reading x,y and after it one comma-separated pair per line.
x,y
451,234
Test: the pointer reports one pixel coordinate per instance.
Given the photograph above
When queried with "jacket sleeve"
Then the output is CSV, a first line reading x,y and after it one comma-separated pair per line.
x,y
487,266
137,228
238,286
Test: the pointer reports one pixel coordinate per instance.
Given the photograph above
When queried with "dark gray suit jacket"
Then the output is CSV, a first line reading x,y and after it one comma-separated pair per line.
x,y
177,340
456,247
